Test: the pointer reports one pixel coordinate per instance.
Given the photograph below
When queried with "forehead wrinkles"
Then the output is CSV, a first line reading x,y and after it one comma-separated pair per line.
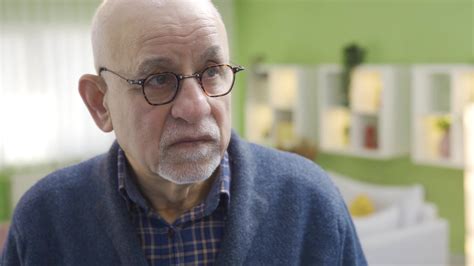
x,y
155,27
178,39
176,32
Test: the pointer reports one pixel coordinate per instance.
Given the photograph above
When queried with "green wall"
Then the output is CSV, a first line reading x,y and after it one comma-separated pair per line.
x,y
5,197
397,31
392,31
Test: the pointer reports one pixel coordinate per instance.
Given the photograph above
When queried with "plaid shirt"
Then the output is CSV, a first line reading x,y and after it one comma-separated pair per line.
x,y
194,238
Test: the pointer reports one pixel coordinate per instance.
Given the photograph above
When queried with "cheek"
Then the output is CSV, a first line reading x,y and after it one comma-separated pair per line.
x,y
151,121
137,125
124,123
222,114
146,124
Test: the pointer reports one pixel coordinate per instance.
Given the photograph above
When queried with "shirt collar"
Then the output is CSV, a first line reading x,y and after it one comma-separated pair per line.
x,y
128,188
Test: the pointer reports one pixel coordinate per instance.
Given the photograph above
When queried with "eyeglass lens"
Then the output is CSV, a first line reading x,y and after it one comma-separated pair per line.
x,y
215,80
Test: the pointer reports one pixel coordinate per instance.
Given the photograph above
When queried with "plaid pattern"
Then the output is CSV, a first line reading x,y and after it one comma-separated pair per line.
x,y
194,238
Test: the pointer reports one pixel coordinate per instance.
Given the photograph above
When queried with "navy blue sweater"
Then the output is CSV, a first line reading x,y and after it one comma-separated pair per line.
x,y
284,211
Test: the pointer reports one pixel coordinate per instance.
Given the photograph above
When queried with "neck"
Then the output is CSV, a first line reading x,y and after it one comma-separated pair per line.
x,y
171,200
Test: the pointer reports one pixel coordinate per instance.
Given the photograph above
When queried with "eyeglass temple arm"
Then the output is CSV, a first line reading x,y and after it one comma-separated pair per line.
x,y
130,81
237,69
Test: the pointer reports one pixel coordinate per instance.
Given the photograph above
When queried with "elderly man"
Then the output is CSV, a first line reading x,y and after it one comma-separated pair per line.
x,y
177,187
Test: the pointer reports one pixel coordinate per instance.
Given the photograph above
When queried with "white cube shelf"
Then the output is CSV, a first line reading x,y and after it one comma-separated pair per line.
x,y
280,109
439,95
374,123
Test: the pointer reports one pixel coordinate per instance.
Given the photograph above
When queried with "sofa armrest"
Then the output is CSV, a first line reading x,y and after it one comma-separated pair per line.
x,y
428,212
426,243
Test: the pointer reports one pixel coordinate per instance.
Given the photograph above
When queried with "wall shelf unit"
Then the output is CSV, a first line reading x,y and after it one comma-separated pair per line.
x,y
280,109
439,95
373,122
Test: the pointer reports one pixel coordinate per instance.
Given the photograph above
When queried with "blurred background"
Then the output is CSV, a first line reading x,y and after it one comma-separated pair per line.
x,y
375,91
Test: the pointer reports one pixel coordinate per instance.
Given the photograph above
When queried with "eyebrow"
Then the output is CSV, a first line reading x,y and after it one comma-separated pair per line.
x,y
146,67
213,52
149,65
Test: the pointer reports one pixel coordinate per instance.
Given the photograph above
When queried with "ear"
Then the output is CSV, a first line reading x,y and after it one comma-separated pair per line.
x,y
93,89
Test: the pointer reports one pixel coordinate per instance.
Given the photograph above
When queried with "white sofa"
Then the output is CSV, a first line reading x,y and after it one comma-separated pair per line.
x,y
403,230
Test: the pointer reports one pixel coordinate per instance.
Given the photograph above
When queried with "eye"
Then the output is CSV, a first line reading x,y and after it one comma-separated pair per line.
x,y
213,72
161,80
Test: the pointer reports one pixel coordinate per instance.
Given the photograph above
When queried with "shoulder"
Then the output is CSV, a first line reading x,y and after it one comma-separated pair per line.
x,y
86,176
283,172
296,191
71,177
58,192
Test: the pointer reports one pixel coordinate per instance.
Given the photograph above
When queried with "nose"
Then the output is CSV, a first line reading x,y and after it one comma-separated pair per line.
x,y
191,104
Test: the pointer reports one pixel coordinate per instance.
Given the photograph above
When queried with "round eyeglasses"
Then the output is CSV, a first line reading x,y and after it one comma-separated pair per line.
x,y
162,88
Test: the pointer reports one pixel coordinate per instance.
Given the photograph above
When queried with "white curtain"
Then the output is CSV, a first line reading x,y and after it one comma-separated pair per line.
x,y
44,49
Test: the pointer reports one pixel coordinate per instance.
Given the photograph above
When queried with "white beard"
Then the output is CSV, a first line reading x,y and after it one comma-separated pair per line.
x,y
189,166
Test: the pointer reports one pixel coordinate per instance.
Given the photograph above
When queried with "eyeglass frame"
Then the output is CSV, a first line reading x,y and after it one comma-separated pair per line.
x,y
179,78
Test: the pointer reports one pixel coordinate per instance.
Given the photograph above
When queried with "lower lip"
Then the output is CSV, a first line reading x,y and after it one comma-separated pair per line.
x,y
190,144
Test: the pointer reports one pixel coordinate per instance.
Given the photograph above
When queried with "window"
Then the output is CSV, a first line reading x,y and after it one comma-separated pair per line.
x,y
44,49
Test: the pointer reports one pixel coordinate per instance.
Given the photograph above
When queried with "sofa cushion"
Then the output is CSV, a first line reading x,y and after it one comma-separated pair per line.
x,y
409,199
381,221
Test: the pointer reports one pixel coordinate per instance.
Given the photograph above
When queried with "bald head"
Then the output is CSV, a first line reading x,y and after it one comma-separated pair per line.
x,y
118,25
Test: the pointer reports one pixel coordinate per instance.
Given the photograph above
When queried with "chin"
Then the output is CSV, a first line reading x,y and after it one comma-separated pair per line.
x,y
189,172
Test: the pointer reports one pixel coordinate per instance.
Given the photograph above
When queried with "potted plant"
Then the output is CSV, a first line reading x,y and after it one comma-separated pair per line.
x,y
353,55
444,125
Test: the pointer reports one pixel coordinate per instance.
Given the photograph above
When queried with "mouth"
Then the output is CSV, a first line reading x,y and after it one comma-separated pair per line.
x,y
191,141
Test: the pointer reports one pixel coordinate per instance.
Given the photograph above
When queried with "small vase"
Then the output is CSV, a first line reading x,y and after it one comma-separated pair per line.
x,y
444,145
370,138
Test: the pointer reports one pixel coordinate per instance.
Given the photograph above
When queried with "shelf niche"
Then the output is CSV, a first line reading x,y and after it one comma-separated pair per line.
x,y
280,109
439,95
375,122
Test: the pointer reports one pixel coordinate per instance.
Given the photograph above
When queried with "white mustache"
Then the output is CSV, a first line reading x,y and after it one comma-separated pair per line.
x,y
176,131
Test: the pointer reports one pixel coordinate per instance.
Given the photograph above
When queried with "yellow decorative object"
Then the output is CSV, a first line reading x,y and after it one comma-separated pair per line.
x,y
362,205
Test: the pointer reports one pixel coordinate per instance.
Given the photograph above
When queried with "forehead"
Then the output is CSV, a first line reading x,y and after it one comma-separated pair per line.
x,y
167,33
151,63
